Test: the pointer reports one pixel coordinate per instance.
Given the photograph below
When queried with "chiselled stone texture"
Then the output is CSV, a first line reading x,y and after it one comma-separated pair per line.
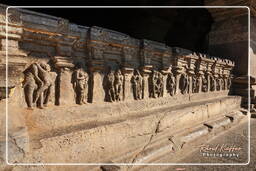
x,y
89,90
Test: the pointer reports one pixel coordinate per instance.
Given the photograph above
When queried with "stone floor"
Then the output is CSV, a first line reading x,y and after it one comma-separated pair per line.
x,y
236,136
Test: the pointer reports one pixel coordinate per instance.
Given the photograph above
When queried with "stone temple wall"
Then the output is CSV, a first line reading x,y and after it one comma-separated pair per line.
x,y
76,90
115,66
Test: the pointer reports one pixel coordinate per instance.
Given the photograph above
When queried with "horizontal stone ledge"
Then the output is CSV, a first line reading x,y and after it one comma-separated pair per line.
x,y
129,133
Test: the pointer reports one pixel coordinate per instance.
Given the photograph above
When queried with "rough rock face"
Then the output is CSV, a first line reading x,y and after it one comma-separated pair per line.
x,y
84,95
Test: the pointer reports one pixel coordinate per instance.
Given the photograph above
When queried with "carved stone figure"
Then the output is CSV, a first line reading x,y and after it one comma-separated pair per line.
x,y
229,82
152,84
204,83
118,83
43,92
171,84
156,84
108,84
29,85
194,84
80,82
160,84
136,81
184,83
212,83
217,84
38,84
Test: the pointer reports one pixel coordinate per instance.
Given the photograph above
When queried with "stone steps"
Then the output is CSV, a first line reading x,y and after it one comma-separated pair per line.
x,y
193,138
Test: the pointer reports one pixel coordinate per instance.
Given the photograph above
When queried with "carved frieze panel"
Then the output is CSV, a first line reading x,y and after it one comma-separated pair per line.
x,y
38,84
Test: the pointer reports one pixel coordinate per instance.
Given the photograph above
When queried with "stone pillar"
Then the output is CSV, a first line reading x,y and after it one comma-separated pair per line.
x,y
177,90
165,94
146,70
190,78
65,94
96,89
200,84
128,91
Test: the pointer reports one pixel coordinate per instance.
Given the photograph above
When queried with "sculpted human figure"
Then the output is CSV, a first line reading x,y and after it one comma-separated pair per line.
x,y
80,83
212,83
30,84
118,84
108,84
171,84
136,81
204,83
184,83
229,82
194,84
45,77
160,84
153,84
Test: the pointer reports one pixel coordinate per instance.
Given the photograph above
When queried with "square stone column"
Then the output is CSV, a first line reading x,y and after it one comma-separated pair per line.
x,y
96,90
65,94
128,91
146,70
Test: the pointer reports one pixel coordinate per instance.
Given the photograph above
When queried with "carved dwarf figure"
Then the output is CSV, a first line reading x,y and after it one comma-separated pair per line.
x,y
80,82
171,84
136,81
118,84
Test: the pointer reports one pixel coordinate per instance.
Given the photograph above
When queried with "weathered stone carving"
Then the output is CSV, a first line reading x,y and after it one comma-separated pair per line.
x,y
156,84
229,82
212,83
80,84
38,85
171,84
137,82
184,83
204,83
118,83
108,84
113,83
195,84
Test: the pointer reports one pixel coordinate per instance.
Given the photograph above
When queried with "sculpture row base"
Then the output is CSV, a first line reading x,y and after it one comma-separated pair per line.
x,y
117,132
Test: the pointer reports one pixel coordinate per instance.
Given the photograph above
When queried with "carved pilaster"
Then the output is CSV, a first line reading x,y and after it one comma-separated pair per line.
x,y
146,70
64,92
128,91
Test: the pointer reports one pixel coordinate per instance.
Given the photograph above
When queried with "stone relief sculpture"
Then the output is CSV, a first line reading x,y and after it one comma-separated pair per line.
x,y
171,84
113,83
212,83
156,84
136,82
108,84
217,84
80,84
204,83
38,85
118,85
194,84
229,82
184,83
